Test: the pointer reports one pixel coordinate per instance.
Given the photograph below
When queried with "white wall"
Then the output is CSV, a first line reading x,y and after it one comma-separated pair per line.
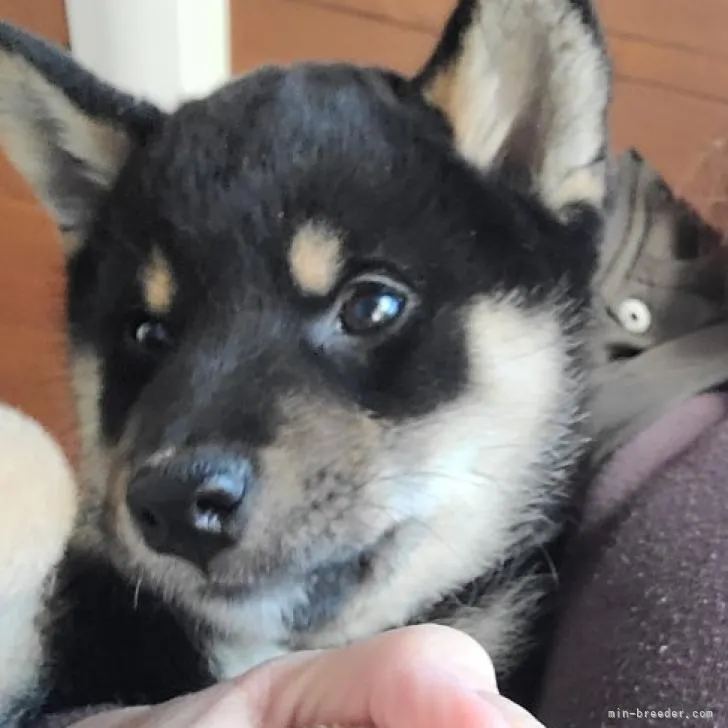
x,y
164,50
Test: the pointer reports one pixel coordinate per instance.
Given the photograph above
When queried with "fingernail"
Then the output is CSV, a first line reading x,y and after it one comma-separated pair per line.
x,y
515,715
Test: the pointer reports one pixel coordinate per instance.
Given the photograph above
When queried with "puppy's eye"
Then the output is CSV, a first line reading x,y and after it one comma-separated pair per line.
x,y
370,305
149,336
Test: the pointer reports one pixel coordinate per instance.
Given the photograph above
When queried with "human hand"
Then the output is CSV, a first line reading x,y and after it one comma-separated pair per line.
x,y
425,676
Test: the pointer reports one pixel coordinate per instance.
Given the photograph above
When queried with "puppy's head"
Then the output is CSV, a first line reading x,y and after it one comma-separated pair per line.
x,y
325,321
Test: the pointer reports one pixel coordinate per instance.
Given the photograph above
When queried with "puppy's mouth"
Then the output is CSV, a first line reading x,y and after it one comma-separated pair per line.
x,y
351,571
341,573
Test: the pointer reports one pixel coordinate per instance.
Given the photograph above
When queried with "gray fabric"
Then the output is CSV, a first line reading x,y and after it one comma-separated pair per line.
x,y
631,395
659,257
656,250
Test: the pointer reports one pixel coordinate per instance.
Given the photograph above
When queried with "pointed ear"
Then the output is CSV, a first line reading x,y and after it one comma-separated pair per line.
x,y
525,85
65,131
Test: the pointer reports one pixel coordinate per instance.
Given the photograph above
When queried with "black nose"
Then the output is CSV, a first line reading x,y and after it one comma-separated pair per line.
x,y
190,507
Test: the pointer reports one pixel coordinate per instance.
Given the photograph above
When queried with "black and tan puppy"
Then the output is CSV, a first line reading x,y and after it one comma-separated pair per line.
x,y
327,332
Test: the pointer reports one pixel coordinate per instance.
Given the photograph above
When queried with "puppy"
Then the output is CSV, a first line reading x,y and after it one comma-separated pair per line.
x,y
327,330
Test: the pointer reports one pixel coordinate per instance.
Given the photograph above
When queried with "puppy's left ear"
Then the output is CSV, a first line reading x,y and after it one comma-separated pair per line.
x,y
67,132
525,85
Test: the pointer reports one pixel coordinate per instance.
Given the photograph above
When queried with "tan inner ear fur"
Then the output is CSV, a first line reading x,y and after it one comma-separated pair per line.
x,y
533,62
315,259
26,97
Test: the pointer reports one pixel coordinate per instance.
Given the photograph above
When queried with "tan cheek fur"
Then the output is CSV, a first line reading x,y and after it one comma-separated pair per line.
x,y
95,458
468,477
103,479
319,464
86,382
315,259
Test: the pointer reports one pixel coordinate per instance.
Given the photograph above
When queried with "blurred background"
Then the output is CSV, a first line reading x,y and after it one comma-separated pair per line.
x,y
670,101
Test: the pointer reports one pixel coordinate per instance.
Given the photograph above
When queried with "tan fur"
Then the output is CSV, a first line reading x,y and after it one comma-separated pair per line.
x,y
95,458
72,240
315,259
471,465
502,621
158,284
23,92
530,64
39,508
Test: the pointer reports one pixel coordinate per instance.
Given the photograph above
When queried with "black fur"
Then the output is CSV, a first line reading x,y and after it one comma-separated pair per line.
x,y
113,643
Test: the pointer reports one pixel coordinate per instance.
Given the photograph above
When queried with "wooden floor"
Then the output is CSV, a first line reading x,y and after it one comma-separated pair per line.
x,y
671,100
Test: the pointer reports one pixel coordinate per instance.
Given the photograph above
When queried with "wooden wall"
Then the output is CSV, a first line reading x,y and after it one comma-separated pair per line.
x,y
33,373
671,95
670,57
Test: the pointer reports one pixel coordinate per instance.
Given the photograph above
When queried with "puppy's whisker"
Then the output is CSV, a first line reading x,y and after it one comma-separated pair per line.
x,y
137,591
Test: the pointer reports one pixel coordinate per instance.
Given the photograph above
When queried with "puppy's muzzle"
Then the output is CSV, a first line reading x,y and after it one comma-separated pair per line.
x,y
191,505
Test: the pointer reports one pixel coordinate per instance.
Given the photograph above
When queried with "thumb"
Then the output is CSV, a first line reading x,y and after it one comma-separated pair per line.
x,y
426,676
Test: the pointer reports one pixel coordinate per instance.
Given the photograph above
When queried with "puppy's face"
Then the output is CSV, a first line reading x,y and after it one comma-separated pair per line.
x,y
324,340
296,290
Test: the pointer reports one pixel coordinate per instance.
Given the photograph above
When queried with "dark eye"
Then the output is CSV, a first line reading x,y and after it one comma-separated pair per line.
x,y
149,336
370,305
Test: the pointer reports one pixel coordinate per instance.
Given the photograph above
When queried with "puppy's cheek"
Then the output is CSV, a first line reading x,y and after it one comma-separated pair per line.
x,y
116,493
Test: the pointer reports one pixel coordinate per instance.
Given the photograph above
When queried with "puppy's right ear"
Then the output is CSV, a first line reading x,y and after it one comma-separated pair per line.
x,y
67,132
526,87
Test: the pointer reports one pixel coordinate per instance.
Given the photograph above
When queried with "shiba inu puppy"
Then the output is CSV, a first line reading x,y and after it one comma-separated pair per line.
x,y
327,329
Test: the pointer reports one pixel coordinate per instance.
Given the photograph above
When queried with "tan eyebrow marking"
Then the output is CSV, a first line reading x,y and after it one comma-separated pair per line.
x,y
158,283
315,258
